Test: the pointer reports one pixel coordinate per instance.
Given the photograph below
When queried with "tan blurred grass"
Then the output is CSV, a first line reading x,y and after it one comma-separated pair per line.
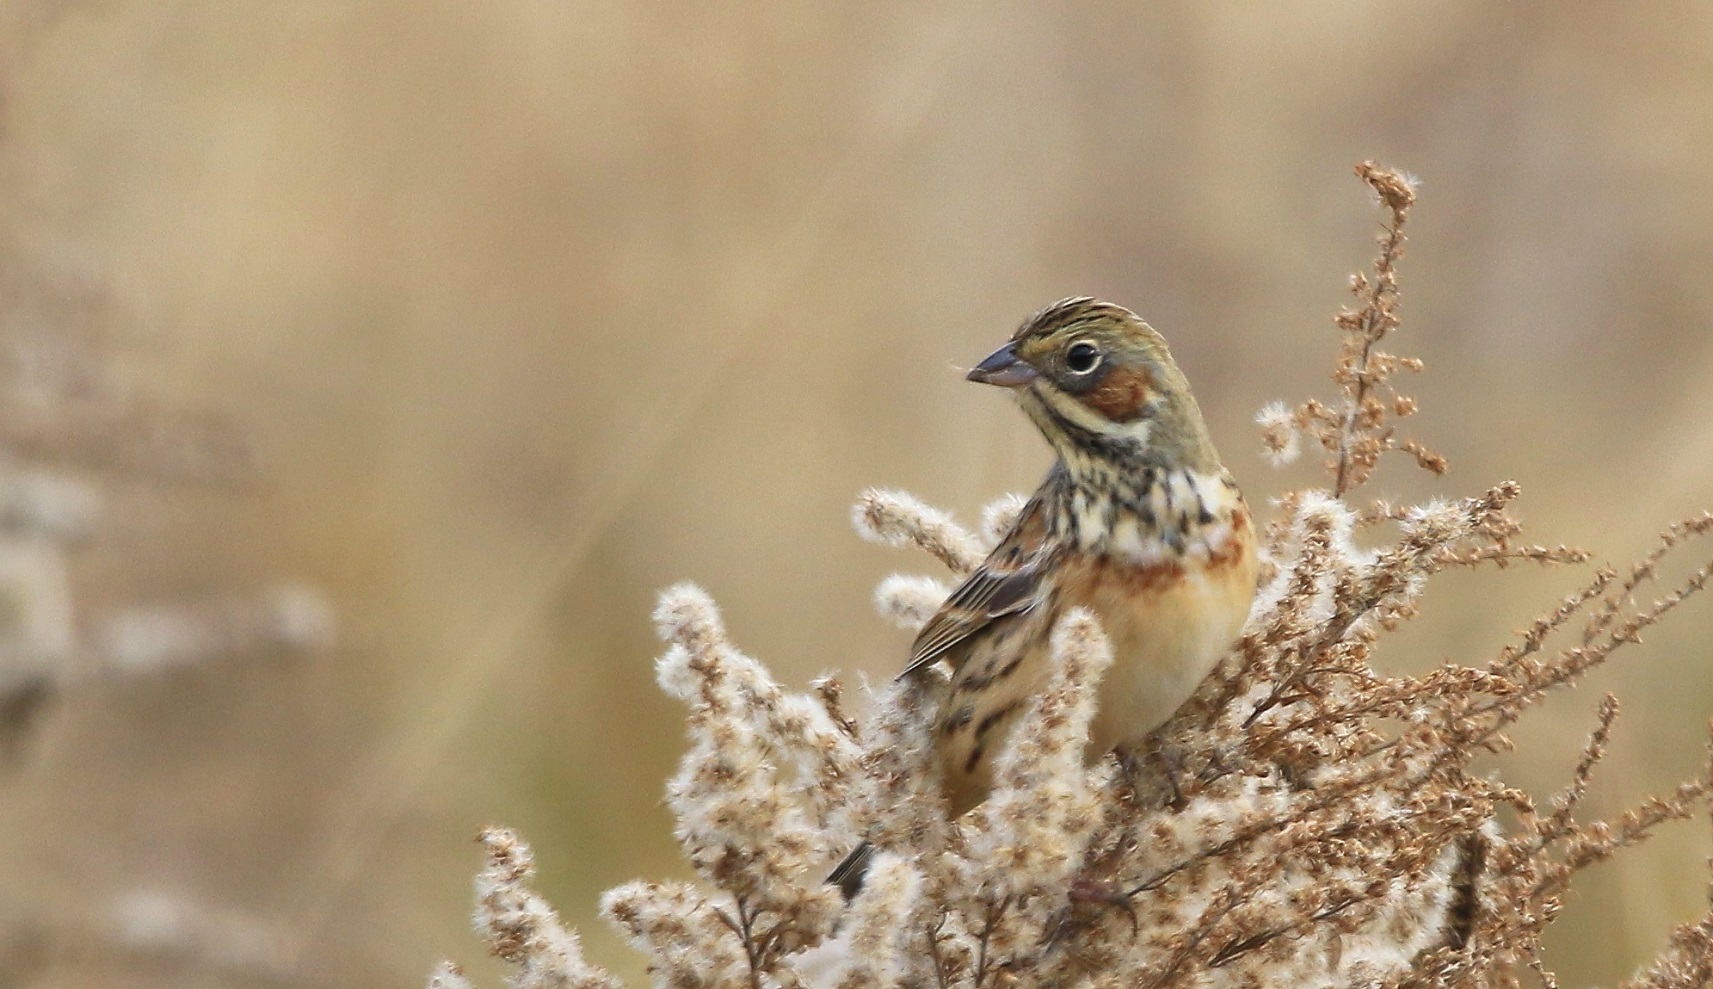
x,y
533,308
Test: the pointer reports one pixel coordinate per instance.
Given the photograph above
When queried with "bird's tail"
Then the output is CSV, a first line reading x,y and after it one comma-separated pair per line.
x,y
849,874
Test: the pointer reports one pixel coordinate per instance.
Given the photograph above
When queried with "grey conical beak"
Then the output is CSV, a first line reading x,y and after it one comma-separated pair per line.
x,y
1003,368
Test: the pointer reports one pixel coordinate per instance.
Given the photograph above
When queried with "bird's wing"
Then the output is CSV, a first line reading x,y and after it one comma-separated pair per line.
x,y
1008,582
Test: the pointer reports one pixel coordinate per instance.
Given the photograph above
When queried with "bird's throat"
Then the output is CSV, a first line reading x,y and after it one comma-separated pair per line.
x,y
1142,515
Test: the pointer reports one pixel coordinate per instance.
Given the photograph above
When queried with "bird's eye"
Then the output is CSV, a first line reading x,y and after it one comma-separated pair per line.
x,y
1081,357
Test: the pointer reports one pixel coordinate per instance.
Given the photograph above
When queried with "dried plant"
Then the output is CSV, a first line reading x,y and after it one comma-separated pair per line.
x,y
68,419
81,437
70,422
1306,820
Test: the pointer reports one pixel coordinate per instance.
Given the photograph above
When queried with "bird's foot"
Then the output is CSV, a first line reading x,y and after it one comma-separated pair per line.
x,y
1171,762
1086,893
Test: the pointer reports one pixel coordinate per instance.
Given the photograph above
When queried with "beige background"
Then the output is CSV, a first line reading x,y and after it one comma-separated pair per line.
x,y
532,308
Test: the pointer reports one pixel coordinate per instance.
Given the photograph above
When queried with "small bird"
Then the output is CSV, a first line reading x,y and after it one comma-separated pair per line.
x,y
1137,521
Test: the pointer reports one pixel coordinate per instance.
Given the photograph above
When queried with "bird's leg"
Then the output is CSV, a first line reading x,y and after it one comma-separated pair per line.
x,y
1130,771
1171,763
1087,891
1104,893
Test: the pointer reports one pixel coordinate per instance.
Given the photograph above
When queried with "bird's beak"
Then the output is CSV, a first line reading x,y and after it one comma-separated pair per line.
x,y
1003,368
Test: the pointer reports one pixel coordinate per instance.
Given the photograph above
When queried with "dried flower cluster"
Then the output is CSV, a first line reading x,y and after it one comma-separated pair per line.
x,y
1306,820
69,423
83,441
69,418
1355,431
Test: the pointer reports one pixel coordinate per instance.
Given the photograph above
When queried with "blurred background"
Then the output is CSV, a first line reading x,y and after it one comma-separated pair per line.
x,y
524,310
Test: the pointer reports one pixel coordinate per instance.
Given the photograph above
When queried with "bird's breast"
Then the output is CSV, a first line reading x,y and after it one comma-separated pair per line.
x,y
1169,621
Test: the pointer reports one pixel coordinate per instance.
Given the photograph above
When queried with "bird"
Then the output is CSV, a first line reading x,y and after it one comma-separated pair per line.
x,y
1138,521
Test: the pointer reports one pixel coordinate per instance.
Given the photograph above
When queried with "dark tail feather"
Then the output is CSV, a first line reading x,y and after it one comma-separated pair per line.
x,y
849,874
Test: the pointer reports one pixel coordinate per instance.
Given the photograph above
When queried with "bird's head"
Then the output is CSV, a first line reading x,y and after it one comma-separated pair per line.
x,y
1100,382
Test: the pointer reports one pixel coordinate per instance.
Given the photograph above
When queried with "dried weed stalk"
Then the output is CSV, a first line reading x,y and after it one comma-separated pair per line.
x,y
1307,820
77,435
68,419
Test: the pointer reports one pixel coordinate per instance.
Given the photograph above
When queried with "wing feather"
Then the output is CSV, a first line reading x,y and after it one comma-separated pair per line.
x,y
1007,583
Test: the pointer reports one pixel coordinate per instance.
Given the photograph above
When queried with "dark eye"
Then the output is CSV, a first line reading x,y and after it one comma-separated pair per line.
x,y
1081,357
